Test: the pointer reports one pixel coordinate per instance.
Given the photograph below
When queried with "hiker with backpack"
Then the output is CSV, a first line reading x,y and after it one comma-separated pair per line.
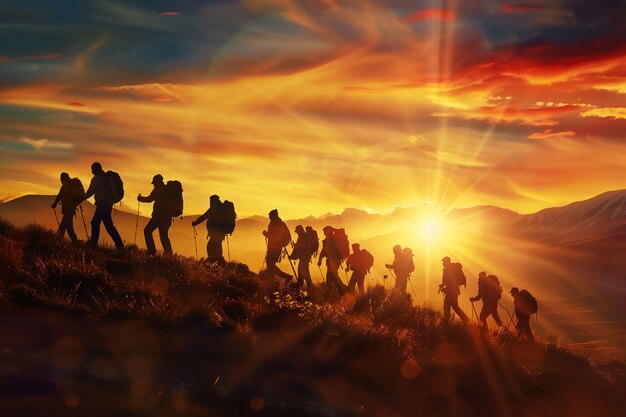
x,y
490,291
335,248
453,277
359,262
278,237
221,219
402,266
525,306
107,189
70,195
163,210
302,252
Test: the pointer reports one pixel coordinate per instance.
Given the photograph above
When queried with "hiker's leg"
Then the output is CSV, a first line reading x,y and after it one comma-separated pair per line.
x,y
446,308
352,282
306,272
457,309
147,233
484,313
110,227
496,315
70,227
95,226
401,281
361,283
164,227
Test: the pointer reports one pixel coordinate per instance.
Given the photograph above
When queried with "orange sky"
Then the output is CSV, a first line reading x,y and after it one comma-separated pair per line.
x,y
320,105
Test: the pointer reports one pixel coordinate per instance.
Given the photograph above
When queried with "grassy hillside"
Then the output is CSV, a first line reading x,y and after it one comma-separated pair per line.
x,y
99,332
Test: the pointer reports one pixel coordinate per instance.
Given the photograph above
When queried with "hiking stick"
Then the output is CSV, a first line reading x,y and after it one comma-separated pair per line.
x,y
136,223
412,289
195,240
82,215
228,247
321,273
56,217
508,313
474,313
290,263
265,257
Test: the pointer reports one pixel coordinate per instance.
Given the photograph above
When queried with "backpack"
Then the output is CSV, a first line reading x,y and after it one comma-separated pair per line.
x,y
76,191
367,260
407,260
341,242
173,198
313,241
285,235
227,217
493,287
115,186
460,275
529,302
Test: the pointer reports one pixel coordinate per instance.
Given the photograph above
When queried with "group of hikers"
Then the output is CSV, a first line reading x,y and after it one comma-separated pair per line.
x,y
107,189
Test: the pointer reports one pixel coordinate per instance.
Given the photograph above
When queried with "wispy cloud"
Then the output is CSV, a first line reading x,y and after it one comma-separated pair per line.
x,y
46,144
548,133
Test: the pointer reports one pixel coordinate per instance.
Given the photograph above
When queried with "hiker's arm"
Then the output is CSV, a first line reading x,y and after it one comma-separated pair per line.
x,y
57,199
201,219
148,199
322,255
477,298
91,190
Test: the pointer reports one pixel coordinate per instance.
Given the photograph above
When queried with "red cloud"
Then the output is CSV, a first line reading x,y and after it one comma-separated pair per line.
x,y
425,14
548,133
29,57
519,8
170,14
76,104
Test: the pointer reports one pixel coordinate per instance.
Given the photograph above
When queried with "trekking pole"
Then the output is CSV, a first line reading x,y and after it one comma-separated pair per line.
x,y
82,215
136,223
412,289
321,273
508,313
474,313
228,247
265,257
290,263
195,240
56,217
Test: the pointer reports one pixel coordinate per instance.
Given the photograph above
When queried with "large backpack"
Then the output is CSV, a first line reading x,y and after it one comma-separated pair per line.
x,y
341,242
285,235
460,275
312,240
115,186
227,217
529,302
367,260
76,191
493,287
173,198
407,258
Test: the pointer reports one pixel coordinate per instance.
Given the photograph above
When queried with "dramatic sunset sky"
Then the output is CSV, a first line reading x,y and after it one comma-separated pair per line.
x,y
314,106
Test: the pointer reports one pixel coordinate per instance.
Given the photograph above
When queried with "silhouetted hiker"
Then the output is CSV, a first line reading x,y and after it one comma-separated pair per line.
x,y
490,291
359,262
161,215
401,267
302,251
70,195
332,250
278,236
221,219
525,306
107,189
453,277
